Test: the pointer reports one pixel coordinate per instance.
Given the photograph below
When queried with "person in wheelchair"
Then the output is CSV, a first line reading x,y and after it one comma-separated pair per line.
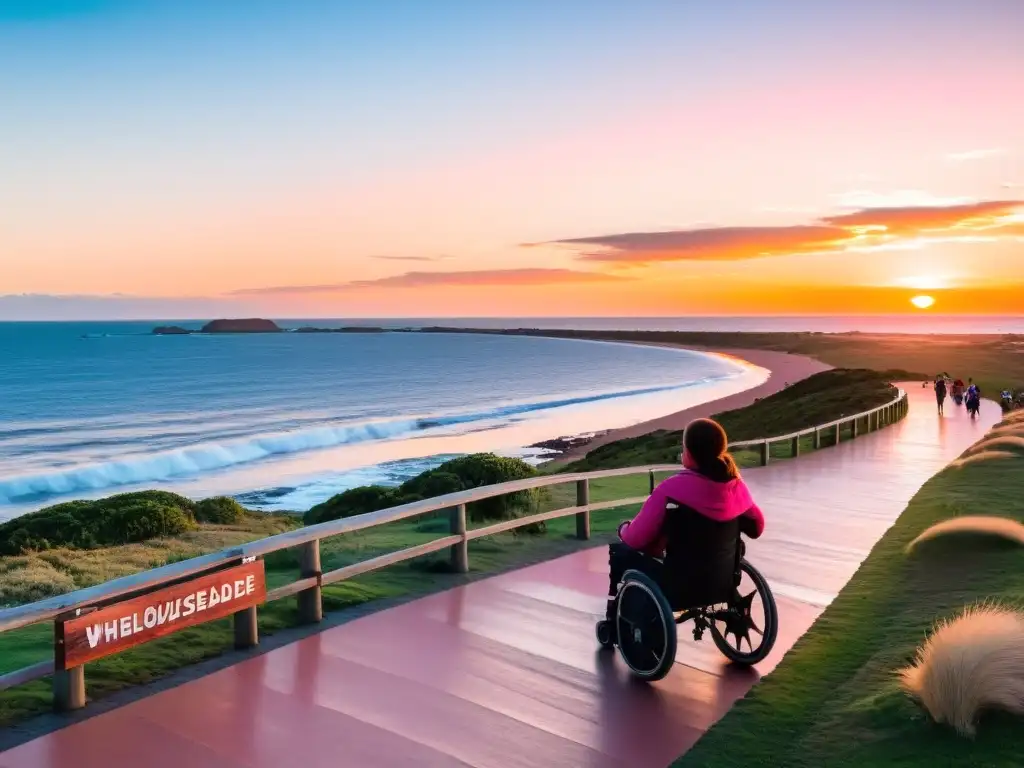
x,y
709,485
694,518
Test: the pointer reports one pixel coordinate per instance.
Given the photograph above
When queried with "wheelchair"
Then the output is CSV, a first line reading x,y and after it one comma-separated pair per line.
x,y
714,587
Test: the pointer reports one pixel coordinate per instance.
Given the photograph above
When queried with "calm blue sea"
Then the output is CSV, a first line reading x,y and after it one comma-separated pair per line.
x,y
285,421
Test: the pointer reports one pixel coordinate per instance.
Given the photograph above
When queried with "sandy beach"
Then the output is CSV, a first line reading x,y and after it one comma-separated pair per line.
x,y
785,368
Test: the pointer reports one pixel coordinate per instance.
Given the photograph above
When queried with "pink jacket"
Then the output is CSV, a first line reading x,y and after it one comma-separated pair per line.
x,y
719,501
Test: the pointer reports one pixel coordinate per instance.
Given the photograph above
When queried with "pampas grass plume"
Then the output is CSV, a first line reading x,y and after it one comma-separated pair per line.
x,y
985,525
969,664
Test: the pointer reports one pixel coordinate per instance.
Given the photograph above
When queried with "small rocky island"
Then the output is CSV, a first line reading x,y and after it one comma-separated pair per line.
x,y
171,330
258,325
245,325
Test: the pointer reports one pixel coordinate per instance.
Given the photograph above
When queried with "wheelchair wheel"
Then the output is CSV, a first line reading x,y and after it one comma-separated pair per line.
x,y
646,627
745,629
604,634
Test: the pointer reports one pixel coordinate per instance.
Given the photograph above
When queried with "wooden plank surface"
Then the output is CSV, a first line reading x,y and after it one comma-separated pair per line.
x,y
505,672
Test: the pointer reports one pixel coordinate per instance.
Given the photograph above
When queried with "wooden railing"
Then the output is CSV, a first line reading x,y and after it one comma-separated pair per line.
x,y
69,684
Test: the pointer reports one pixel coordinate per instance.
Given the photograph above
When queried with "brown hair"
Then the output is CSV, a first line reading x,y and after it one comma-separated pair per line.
x,y
708,446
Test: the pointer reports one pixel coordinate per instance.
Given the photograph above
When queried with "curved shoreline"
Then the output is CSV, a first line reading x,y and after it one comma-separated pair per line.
x,y
783,367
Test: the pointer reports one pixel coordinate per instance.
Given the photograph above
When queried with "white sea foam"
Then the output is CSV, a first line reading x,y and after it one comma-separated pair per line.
x,y
204,457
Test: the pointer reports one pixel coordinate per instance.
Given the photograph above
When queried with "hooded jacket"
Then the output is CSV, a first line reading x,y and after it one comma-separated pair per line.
x,y
719,501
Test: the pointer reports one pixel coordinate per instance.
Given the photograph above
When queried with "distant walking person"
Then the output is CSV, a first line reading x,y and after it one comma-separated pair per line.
x,y
940,392
973,398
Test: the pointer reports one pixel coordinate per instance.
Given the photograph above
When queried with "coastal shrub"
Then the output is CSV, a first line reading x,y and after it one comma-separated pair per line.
x,y
480,469
355,501
457,474
120,519
221,510
433,482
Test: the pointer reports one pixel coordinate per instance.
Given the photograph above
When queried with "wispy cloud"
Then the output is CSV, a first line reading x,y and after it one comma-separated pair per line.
x,y
487,277
974,154
863,229
442,257
708,244
899,198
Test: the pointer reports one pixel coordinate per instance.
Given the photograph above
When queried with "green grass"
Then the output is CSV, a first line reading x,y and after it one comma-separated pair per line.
x,y
817,399
834,701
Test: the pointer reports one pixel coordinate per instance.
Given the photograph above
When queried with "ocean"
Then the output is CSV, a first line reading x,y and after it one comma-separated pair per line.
x,y
284,421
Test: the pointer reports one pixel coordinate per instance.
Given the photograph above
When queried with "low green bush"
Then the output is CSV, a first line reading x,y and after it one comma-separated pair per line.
x,y
120,519
221,510
455,475
355,501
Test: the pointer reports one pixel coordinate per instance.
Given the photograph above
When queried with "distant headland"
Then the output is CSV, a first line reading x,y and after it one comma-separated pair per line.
x,y
255,325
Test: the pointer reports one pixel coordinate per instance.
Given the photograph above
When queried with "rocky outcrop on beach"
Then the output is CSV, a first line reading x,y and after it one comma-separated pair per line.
x,y
247,325
563,444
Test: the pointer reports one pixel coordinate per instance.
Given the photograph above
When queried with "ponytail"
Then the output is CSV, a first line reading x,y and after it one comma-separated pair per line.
x,y
706,443
720,469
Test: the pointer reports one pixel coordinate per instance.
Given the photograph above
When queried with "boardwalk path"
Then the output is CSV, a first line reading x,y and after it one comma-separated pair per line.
x,y
503,672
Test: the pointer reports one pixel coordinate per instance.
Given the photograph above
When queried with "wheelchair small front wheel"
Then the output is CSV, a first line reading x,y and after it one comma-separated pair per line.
x,y
605,634
646,627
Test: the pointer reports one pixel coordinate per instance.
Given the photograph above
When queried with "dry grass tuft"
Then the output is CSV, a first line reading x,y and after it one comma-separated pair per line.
x,y
1013,417
984,525
1002,430
997,441
973,458
970,664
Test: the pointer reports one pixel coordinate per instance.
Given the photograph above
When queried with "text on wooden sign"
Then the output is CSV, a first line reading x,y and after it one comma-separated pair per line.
x,y
120,626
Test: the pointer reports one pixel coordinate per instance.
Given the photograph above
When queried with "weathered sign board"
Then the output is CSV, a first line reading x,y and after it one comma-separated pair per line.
x,y
120,626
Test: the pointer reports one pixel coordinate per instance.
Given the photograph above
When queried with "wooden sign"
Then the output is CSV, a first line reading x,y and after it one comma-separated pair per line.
x,y
118,627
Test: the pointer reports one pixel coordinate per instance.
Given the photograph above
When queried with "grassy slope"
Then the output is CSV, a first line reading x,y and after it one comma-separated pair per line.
x,y
815,400
834,700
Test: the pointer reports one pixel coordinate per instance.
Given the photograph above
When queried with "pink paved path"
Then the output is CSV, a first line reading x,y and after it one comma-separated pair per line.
x,y
504,672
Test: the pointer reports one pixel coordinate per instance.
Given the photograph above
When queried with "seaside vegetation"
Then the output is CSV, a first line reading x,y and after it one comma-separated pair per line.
x,y
837,698
121,519
815,400
73,545
458,474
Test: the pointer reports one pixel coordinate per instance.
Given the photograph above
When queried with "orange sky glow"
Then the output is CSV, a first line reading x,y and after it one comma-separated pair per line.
x,y
844,178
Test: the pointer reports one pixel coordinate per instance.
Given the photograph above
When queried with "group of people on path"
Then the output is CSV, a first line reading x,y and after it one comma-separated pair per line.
x,y
971,395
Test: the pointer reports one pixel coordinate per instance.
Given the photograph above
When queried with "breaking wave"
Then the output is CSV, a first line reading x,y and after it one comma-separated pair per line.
x,y
205,457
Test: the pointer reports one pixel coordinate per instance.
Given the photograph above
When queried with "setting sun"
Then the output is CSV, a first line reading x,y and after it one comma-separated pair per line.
x,y
922,302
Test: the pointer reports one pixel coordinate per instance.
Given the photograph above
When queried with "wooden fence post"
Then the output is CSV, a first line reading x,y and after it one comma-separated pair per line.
x,y
796,447
582,500
650,482
460,551
247,633
838,427
69,689
817,439
311,607
765,453
854,422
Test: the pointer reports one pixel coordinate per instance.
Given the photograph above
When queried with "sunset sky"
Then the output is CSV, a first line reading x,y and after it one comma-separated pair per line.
x,y
543,157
